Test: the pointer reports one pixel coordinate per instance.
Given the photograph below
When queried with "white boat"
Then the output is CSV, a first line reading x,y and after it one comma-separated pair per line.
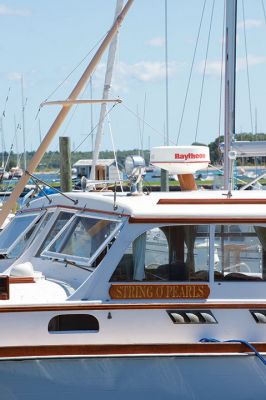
x,y
15,172
154,296
122,295
3,174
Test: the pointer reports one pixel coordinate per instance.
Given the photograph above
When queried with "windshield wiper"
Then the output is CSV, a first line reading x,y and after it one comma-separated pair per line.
x,y
71,262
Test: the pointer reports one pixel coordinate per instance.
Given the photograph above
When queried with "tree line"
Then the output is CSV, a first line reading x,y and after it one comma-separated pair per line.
x,y
51,159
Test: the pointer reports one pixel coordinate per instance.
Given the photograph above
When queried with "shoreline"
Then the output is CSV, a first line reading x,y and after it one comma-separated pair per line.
x,y
239,167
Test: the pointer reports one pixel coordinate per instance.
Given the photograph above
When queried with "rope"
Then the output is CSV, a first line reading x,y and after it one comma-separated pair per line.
x,y
70,73
141,128
113,145
82,60
246,53
204,71
242,341
90,133
190,73
69,122
7,97
146,123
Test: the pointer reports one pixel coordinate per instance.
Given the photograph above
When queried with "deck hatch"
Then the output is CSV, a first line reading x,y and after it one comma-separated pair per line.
x,y
259,316
192,317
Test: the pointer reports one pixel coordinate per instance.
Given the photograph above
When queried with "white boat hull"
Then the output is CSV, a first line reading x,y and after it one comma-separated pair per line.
x,y
237,377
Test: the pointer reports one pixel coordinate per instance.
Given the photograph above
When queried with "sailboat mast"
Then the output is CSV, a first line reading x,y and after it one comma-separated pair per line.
x,y
16,139
23,124
2,142
230,77
106,90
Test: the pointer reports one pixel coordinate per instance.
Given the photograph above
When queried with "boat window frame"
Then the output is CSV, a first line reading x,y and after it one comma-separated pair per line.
x,y
39,215
211,252
161,225
253,224
56,212
83,261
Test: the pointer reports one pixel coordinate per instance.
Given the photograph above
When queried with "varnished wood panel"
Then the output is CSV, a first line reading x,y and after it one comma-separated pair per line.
x,y
195,221
129,350
73,208
156,291
224,200
22,279
132,306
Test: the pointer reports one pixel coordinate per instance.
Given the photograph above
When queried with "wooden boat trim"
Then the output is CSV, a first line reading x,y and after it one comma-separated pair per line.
x,y
188,220
21,279
228,201
203,349
132,306
48,207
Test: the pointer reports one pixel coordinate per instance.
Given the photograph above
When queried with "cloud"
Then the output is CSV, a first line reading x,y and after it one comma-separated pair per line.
x,y
213,68
142,71
250,23
252,60
14,76
147,71
5,10
156,42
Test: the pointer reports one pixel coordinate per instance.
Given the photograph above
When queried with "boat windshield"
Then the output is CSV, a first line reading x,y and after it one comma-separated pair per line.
x,y
28,236
83,239
18,232
62,218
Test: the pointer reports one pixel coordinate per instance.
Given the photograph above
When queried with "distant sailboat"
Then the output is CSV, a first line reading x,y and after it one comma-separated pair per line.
x,y
16,172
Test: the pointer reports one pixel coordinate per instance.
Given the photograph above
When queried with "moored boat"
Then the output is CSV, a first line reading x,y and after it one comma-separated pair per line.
x,y
157,295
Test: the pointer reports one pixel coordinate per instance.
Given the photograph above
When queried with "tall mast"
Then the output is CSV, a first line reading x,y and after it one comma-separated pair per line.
x,y
2,142
230,75
16,139
23,124
106,90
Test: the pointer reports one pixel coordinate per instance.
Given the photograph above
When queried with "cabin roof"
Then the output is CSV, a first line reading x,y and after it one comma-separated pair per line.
x,y
195,205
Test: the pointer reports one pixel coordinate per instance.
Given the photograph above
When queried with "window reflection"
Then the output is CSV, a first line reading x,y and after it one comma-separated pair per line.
x,y
169,253
18,225
62,219
26,239
241,252
85,238
182,253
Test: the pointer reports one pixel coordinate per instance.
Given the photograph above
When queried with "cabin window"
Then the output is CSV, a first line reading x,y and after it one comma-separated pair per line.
x,y
70,323
60,222
83,240
169,253
27,237
240,252
19,229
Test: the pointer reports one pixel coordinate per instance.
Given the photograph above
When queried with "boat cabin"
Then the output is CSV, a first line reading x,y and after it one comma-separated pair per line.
x,y
203,242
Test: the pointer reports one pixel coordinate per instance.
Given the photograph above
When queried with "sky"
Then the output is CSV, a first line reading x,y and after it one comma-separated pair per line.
x,y
50,43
